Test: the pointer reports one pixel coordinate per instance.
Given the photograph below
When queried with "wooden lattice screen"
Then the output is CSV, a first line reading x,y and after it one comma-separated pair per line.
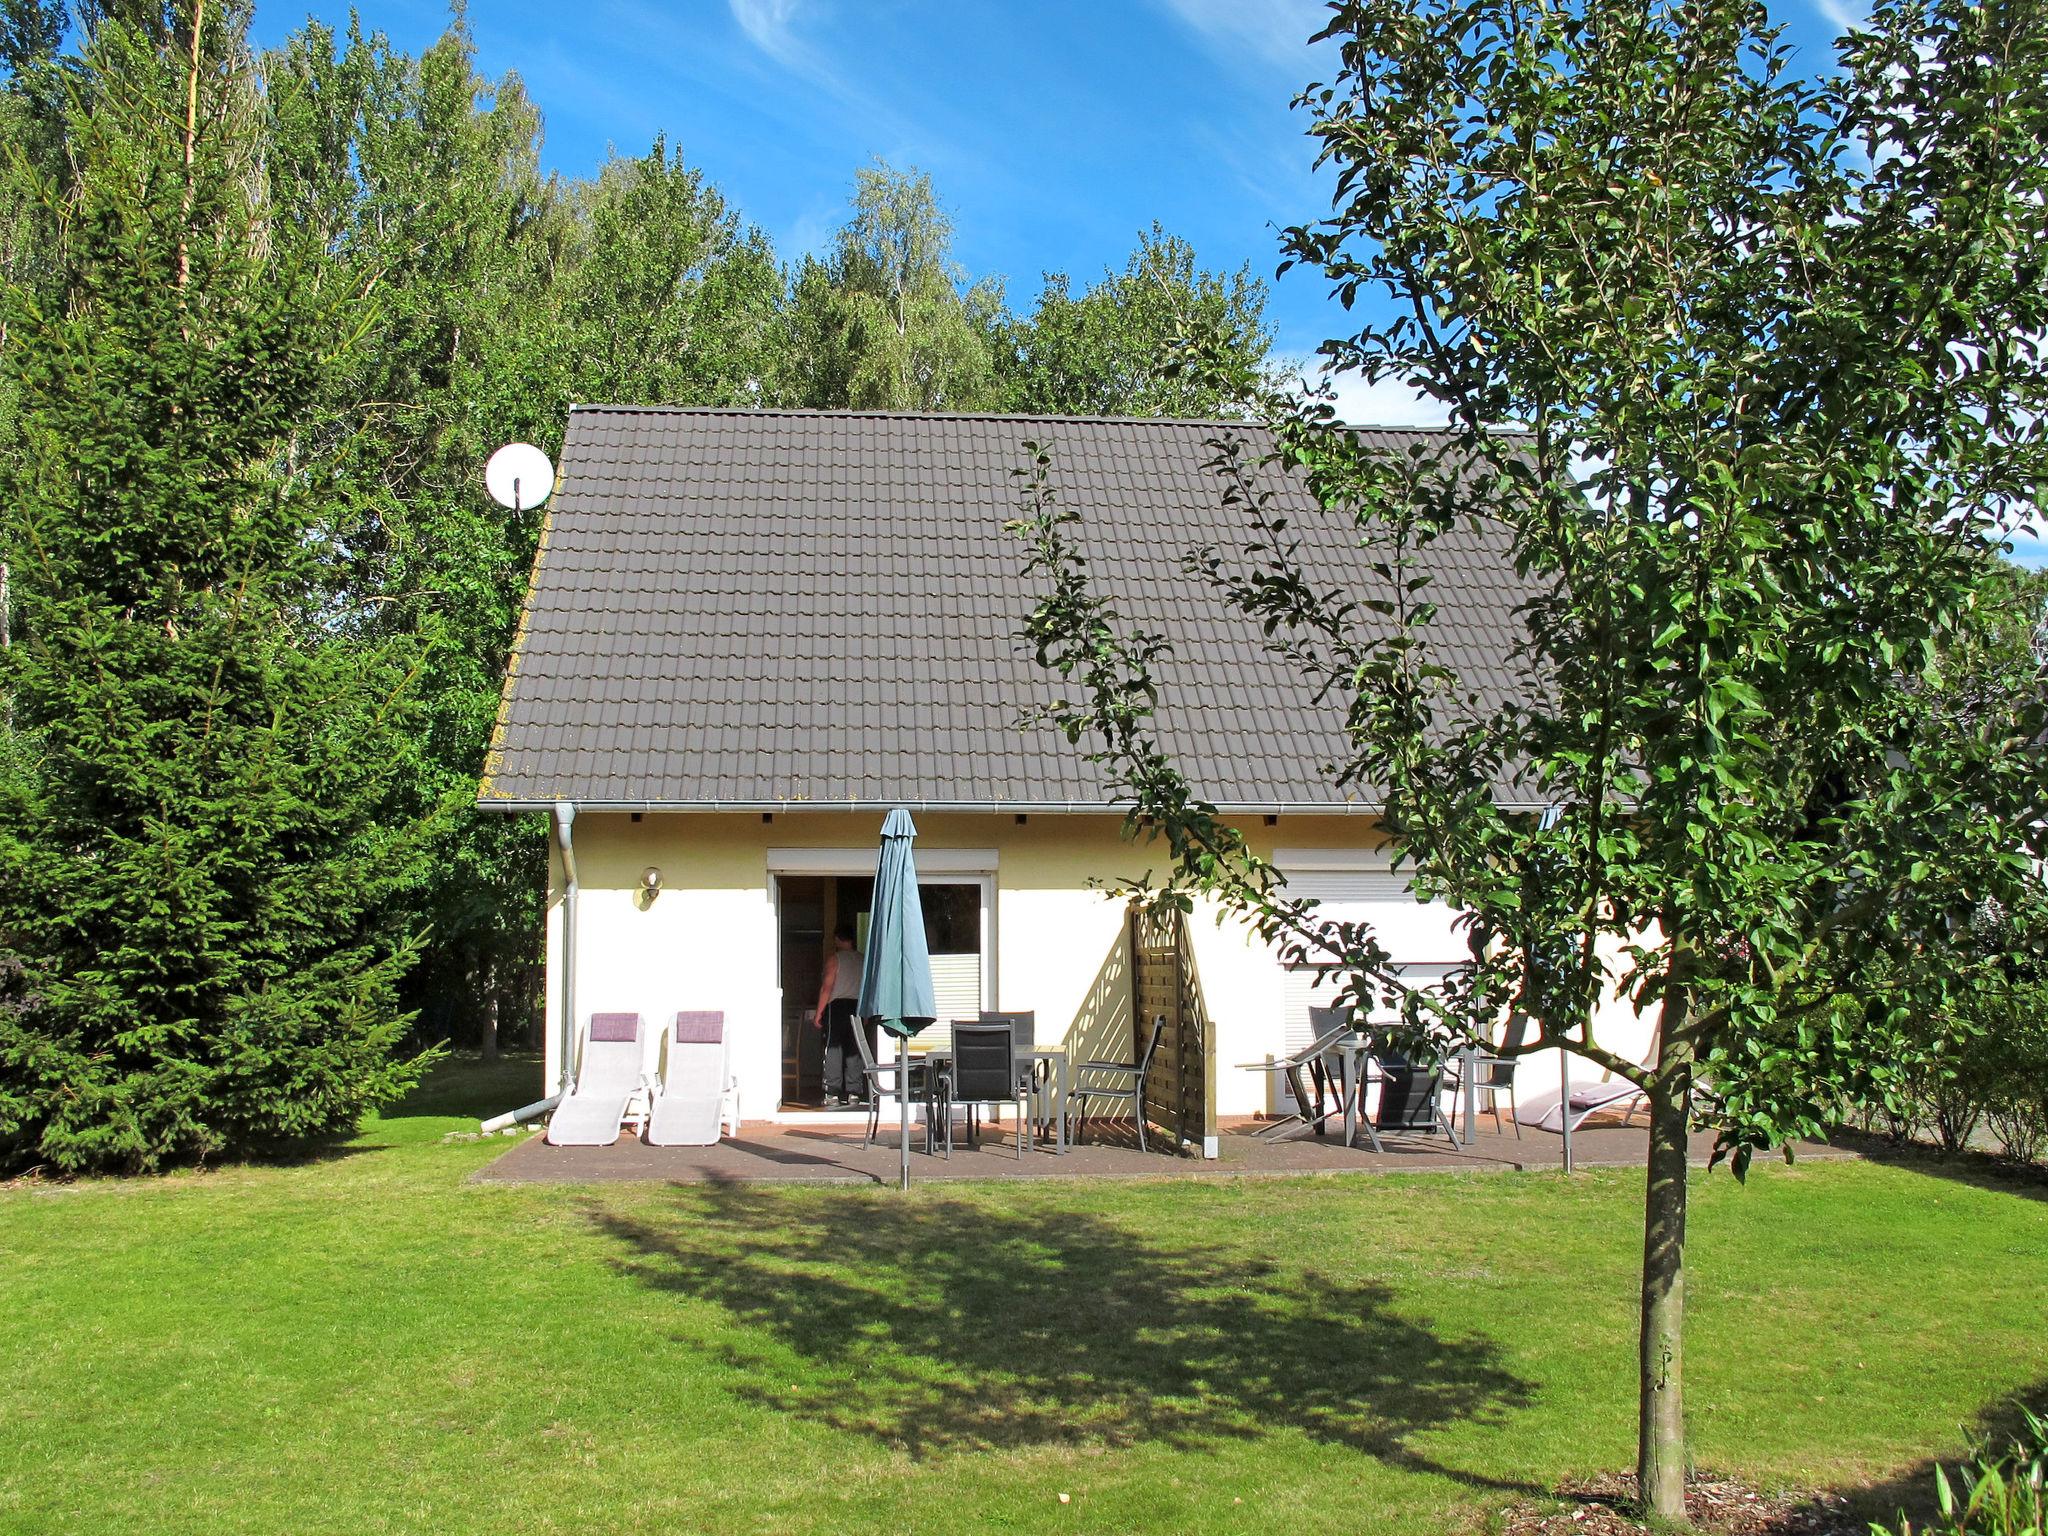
x,y
1179,1090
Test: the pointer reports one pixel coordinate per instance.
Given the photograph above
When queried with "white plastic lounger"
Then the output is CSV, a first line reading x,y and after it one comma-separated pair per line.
x,y
1588,1099
1584,1099
613,1074
690,1101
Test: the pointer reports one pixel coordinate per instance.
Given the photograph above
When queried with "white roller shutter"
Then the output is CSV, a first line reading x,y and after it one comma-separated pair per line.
x,y
1420,935
956,990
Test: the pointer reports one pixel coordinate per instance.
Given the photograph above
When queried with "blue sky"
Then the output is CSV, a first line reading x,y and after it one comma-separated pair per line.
x,y
1054,130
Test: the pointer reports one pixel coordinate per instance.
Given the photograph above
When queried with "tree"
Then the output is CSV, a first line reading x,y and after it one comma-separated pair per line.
x,y
193,868
668,299
1775,348
31,31
1976,1051
422,180
31,112
885,323
1105,351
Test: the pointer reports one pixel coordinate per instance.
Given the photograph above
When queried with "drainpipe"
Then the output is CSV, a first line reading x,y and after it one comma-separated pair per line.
x,y
565,820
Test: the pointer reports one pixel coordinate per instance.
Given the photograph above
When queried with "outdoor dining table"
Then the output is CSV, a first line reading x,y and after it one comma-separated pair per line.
x,y
1053,1057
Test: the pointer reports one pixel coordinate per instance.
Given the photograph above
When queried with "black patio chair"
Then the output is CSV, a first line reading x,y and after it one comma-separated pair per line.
x,y
1411,1100
1119,1082
984,1070
1024,1029
924,1086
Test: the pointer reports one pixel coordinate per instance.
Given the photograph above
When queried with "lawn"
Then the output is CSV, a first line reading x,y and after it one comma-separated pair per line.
x,y
362,1342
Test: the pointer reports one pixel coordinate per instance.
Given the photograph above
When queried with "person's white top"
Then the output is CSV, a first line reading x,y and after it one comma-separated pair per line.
x,y
845,974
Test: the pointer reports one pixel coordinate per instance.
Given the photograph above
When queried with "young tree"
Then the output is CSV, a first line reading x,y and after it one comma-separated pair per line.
x,y
1776,349
1103,352
885,323
193,868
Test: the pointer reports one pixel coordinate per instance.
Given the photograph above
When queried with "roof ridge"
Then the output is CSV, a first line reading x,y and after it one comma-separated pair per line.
x,y
806,414
819,415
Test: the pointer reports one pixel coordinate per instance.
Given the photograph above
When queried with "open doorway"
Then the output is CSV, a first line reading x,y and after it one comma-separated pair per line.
x,y
810,907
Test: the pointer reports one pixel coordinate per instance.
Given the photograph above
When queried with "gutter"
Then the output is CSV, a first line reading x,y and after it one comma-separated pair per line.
x,y
971,807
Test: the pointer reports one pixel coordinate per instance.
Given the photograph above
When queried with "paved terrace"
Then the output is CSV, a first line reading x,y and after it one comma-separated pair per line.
x,y
832,1154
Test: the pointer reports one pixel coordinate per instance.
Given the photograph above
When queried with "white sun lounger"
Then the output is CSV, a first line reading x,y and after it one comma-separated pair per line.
x,y
613,1074
1588,1099
1585,1100
690,1101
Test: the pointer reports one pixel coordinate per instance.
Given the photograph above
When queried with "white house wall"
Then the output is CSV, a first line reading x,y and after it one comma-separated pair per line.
x,y
708,940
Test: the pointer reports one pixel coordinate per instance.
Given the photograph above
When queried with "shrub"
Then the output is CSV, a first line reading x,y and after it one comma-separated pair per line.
x,y
2016,1097
2002,1495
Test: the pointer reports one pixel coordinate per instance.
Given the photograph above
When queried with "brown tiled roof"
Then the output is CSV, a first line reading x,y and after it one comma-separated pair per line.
x,y
757,609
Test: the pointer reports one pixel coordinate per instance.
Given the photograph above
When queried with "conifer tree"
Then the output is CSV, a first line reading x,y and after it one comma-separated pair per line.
x,y
192,868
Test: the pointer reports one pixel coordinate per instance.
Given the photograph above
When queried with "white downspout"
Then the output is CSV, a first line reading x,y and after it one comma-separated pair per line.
x,y
565,823
565,820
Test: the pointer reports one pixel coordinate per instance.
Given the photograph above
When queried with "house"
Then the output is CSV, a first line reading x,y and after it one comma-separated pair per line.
x,y
751,633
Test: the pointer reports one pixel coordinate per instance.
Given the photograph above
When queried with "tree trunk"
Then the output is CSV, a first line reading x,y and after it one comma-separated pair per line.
x,y
490,1043
1660,1448
191,145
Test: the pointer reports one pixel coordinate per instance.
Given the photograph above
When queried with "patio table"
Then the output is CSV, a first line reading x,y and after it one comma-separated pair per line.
x,y
1056,1059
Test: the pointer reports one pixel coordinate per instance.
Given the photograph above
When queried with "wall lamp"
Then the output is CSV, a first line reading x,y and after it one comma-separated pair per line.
x,y
650,886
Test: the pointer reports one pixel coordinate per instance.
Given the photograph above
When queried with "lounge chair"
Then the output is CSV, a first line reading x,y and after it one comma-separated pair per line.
x,y
1589,1099
1585,1100
612,1075
1115,1082
692,1097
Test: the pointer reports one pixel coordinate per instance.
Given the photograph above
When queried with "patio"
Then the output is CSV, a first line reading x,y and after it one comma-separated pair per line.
x,y
832,1154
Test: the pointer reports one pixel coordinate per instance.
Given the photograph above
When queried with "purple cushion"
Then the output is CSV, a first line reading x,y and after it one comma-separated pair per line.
x,y
615,1026
700,1028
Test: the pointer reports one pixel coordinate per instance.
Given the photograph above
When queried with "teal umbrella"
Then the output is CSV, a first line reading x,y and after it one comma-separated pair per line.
x,y
896,974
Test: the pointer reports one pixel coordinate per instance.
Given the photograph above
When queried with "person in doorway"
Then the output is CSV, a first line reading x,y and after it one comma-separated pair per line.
x,y
838,996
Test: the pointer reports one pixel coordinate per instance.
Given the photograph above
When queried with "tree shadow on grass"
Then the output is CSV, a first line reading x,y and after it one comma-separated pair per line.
x,y
458,1087
1912,1492
937,1324
1980,1170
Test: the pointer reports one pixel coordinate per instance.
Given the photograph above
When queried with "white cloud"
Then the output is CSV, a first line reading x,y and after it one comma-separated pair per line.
x,y
810,235
1842,17
2032,553
1274,31
769,25
794,37
1387,403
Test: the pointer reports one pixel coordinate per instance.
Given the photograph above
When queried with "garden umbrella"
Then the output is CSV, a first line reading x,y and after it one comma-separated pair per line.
x,y
896,975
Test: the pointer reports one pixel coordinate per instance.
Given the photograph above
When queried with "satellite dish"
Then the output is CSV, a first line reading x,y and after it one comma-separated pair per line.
x,y
519,476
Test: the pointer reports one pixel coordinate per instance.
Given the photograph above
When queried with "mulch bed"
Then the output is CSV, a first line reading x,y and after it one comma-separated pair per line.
x,y
1605,1506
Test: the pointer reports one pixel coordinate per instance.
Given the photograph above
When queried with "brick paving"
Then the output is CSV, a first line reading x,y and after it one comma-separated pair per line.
x,y
831,1153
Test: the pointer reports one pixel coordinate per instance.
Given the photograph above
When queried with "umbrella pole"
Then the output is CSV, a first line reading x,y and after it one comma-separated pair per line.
x,y
903,1104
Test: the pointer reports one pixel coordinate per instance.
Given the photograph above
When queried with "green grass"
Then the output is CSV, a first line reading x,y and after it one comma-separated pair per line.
x,y
362,1342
